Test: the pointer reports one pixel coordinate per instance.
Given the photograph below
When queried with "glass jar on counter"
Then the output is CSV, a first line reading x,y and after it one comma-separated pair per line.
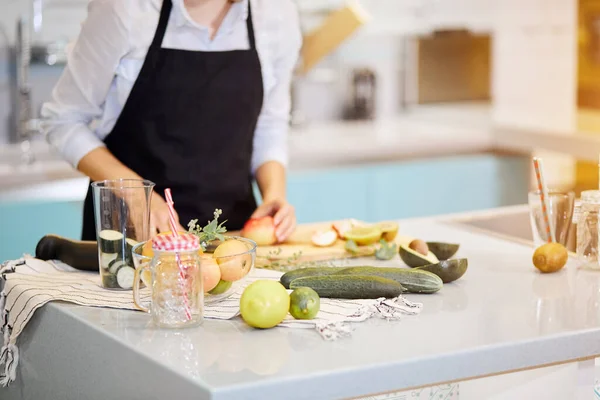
x,y
587,229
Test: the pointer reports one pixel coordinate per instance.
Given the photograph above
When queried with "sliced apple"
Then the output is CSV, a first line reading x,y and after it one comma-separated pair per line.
x,y
324,238
341,227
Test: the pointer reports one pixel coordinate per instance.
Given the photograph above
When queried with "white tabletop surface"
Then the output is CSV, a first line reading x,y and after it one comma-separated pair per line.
x,y
502,315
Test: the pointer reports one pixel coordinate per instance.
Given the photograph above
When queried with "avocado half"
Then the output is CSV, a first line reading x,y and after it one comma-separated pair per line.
x,y
443,251
448,270
414,259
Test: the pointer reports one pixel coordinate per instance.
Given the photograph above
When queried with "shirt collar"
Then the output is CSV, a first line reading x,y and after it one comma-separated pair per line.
x,y
180,16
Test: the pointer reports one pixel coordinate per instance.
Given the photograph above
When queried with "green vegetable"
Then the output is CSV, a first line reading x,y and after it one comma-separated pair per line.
x,y
413,280
350,286
443,251
110,281
289,276
111,241
447,270
386,251
416,259
212,231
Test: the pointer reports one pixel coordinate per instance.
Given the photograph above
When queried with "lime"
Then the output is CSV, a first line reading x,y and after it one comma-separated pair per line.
x,y
264,304
221,287
304,303
364,235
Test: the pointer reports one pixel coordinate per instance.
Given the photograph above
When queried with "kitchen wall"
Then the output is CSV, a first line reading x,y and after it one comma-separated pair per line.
x,y
532,49
61,21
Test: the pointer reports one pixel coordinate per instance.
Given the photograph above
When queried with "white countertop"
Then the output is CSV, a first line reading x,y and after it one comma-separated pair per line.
x,y
501,316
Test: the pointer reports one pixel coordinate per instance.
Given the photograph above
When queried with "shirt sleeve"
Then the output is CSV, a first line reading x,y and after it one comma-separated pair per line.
x,y
79,95
270,137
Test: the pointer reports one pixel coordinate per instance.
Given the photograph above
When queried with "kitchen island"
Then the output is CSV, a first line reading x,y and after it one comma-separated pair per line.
x,y
501,317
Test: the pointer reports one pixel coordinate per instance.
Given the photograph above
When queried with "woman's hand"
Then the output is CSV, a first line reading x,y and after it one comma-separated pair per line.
x,y
159,216
283,214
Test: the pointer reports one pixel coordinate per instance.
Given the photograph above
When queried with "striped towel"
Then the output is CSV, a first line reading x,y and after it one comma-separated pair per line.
x,y
29,283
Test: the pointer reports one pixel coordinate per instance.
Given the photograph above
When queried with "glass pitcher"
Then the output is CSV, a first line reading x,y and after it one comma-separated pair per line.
x,y
176,290
122,216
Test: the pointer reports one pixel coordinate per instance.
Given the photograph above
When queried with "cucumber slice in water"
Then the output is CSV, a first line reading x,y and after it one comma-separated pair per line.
x,y
110,241
125,277
109,281
107,258
115,265
129,243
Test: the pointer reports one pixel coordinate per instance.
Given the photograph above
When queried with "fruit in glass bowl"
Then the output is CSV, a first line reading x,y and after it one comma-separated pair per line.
x,y
230,260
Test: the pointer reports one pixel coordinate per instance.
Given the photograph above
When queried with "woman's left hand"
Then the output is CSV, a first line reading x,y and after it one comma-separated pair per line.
x,y
283,214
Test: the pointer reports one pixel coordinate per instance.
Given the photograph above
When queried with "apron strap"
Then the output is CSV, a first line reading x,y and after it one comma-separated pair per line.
x,y
165,13
250,27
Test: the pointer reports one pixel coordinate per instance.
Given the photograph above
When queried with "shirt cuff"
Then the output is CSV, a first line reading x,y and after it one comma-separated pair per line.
x,y
78,145
277,154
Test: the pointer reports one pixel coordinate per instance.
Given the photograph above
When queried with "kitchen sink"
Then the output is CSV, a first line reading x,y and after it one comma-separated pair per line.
x,y
510,222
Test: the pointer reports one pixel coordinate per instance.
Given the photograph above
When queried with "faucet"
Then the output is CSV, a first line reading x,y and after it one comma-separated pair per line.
x,y
26,126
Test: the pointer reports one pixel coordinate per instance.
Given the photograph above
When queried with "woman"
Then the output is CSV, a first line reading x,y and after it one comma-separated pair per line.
x,y
190,94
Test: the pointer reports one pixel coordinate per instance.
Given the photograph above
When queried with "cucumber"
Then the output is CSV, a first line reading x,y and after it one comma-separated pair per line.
x,y
109,281
107,258
110,241
350,286
115,265
304,272
413,280
129,243
125,277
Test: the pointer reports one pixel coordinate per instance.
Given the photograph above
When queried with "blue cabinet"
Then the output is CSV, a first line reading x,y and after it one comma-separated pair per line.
x,y
25,223
377,192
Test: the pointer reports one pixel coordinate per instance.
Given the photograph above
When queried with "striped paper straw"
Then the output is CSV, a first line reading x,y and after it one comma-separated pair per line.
x,y
171,204
539,174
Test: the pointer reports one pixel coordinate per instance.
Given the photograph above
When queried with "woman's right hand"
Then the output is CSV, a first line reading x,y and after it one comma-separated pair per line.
x,y
159,216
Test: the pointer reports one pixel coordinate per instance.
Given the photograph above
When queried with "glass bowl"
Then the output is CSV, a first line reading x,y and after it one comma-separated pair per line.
x,y
232,269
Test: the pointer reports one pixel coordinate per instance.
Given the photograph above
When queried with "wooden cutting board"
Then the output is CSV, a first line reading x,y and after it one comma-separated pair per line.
x,y
298,248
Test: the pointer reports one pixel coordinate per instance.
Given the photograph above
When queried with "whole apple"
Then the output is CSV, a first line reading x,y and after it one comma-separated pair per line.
x,y
261,230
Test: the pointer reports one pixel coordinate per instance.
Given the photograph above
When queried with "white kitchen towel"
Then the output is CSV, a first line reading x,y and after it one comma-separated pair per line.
x,y
29,283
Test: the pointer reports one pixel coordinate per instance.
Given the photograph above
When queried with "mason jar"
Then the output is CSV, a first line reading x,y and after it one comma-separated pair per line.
x,y
587,229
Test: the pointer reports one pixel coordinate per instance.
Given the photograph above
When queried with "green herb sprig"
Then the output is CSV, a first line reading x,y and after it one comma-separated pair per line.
x,y
212,231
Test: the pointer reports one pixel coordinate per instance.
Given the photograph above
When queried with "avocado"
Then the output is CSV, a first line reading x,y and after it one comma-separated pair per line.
x,y
443,251
415,259
448,270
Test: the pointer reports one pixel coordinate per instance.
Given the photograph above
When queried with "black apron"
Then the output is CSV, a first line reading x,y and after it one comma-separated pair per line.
x,y
188,124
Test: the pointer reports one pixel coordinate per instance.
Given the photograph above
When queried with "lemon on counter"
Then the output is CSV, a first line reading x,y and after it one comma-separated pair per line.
x,y
264,304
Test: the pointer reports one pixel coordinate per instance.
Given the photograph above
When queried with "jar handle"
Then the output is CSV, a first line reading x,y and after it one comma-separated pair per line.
x,y
136,287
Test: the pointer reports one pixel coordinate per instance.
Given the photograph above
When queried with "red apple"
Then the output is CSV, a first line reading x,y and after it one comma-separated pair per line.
x,y
261,230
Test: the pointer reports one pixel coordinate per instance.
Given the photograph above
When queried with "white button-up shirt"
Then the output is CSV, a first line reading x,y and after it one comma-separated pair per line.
x,y
108,54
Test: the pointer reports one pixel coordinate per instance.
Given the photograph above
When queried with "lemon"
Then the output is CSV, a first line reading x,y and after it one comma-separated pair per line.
x,y
550,257
264,304
304,303
364,235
